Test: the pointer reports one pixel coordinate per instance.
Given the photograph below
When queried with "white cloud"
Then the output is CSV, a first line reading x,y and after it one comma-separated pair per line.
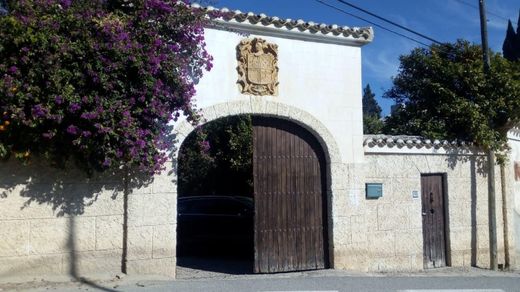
x,y
381,60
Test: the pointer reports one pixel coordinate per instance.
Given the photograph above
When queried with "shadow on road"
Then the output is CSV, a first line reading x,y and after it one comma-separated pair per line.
x,y
209,266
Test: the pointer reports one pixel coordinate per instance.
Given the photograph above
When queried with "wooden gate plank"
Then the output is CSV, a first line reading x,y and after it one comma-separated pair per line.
x,y
277,200
274,246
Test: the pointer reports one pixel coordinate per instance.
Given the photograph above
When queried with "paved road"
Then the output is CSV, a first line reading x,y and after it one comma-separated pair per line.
x,y
323,281
358,284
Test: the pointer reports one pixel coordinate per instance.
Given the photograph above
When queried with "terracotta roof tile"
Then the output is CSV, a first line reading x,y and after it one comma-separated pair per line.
x,y
364,34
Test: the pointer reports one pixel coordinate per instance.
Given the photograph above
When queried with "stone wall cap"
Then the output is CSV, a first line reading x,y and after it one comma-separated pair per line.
x,y
402,141
356,35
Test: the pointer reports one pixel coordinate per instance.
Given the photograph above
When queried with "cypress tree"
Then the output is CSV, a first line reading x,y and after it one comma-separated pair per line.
x,y
517,43
372,123
511,46
370,106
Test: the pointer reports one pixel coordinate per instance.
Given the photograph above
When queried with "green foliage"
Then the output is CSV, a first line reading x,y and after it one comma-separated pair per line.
x,y
97,81
372,123
511,46
216,159
446,95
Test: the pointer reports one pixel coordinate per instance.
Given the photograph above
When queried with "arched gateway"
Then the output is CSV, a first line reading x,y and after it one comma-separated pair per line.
x,y
292,154
302,84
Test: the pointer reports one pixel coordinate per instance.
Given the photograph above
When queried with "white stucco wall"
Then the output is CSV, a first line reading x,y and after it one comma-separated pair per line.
x,y
321,79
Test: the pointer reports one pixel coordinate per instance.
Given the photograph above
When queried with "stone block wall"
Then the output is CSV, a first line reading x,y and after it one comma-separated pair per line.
x,y
152,219
386,234
56,222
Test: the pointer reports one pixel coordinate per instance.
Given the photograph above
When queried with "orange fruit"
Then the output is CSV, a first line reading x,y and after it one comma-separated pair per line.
x,y
7,123
2,128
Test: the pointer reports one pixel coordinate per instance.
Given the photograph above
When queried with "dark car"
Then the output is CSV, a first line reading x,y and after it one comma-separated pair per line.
x,y
215,224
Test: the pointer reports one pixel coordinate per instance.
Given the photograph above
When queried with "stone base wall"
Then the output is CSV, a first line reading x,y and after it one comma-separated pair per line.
x,y
58,222
386,234
63,223
55,222
152,225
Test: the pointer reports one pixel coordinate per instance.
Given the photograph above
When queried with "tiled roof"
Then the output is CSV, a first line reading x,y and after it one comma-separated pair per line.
x,y
373,141
361,34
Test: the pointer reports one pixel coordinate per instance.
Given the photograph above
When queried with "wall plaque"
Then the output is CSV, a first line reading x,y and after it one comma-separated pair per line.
x,y
374,190
257,67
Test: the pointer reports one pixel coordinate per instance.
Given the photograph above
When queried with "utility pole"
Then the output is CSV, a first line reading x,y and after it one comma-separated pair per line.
x,y
491,154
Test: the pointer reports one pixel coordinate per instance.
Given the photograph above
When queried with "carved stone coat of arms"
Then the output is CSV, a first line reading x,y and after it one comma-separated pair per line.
x,y
257,67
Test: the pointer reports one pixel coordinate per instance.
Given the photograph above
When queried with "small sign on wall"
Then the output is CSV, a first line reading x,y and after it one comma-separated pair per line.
x,y
415,194
374,191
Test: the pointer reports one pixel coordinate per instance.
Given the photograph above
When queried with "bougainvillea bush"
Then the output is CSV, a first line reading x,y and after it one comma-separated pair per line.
x,y
97,81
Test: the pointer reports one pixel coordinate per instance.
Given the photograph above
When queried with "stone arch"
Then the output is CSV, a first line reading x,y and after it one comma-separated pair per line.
x,y
261,107
256,106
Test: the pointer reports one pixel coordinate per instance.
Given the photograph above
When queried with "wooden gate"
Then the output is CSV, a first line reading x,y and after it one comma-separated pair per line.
x,y
434,232
290,202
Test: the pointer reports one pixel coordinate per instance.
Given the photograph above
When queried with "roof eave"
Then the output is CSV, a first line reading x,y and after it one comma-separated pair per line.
x,y
365,35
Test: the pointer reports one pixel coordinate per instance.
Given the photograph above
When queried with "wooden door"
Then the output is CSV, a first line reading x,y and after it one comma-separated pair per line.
x,y
290,202
433,212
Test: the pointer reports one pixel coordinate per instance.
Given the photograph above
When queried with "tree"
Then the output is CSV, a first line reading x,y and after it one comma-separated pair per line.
x,y
446,95
511,46
97,81
372,123
217,159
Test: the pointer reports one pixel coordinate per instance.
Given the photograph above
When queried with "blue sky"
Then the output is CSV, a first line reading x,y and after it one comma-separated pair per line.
x,y
443,20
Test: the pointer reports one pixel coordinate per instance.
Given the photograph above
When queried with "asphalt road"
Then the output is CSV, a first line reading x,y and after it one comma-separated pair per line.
x,y
373,284
323,281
